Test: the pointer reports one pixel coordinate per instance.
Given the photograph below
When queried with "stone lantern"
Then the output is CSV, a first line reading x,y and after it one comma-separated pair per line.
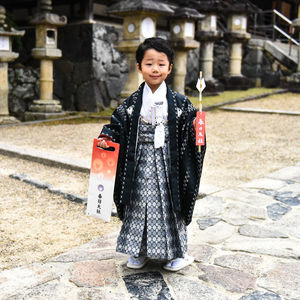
x,y
139,23
237,35
182,27
6,56
207,34
46,51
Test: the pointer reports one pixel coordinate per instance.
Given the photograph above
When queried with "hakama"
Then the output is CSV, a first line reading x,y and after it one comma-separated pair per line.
x,y
150,226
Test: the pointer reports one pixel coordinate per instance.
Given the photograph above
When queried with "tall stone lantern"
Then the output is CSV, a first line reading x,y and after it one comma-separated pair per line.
x,y
139,23
6,56
46,51
237,35
207,34
182,40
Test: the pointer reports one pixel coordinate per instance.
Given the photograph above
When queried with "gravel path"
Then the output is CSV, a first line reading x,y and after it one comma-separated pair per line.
x,y
36,225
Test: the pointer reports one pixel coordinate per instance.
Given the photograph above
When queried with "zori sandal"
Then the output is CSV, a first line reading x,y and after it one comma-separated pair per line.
x,y
179,263
137,262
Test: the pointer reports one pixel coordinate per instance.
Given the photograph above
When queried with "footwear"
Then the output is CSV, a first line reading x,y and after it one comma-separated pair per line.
x,y
179,263
137,262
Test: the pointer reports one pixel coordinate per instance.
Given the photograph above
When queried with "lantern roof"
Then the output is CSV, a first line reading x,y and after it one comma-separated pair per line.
x,y
5,30
129,6
187,13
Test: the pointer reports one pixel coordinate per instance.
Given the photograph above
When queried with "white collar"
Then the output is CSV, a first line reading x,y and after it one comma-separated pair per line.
x,y
159,94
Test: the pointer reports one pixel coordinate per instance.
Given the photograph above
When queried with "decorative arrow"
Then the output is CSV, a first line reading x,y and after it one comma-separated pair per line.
x,y
200,119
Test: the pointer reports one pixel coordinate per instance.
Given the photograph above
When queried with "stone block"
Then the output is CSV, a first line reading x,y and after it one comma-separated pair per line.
x,y
94,273
248,196
14,281
277,210
209,206
101,294
285,248
264,183
282,279
260,231
149,285
201,252
51,290
195,289
289,224
258,295
213,235
240,213
207,222
232,280
241,262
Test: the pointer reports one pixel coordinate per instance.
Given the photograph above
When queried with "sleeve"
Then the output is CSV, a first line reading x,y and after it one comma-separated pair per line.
x,y
116,126
117,132
191,162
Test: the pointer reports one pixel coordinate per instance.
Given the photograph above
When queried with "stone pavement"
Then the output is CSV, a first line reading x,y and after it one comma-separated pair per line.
x,y
246,244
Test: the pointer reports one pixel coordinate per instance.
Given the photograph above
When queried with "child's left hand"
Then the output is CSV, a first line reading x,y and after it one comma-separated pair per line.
x,y
194,125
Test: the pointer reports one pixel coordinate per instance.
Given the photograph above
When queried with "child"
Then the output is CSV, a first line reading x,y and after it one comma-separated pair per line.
x,y
159,165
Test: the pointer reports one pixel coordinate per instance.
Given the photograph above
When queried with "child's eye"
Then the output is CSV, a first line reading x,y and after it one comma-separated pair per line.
x,y
162,65
148,64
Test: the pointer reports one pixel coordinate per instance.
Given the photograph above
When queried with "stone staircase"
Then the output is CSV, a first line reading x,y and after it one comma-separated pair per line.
x,y
281,52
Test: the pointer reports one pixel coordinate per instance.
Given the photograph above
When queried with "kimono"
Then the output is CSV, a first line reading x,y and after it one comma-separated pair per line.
x,y
181,166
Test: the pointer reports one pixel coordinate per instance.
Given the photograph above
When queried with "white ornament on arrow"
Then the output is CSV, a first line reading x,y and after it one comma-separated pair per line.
x,y
203,85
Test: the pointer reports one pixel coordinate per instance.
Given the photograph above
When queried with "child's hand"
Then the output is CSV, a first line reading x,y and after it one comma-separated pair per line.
x,y
102,142
194,125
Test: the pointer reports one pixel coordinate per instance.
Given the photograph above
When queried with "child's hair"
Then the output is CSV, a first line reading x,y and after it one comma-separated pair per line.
x,y
157,44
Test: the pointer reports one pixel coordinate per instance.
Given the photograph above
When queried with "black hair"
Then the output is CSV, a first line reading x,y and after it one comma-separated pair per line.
x,y
157,44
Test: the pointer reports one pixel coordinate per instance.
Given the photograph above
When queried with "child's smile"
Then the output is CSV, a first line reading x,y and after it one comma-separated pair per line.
x,y
155,68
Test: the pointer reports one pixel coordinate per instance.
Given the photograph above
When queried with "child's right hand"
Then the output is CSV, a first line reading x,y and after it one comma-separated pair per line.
x,y
102,142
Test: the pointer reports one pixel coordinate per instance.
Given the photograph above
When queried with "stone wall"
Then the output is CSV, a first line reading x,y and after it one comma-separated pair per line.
x,y
91,72
23,89
89,76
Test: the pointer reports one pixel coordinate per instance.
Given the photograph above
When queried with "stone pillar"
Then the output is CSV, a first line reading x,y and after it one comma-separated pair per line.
x,y
139,23
296,25
46,51
182,40
253,61
179,71
237,35
235,60
6,56
207,34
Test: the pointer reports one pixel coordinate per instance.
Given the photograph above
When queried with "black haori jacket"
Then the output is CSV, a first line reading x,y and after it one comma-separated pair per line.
x,y
185,162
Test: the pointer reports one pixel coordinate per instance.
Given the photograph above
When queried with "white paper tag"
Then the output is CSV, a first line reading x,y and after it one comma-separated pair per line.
x,y
159,111
159,136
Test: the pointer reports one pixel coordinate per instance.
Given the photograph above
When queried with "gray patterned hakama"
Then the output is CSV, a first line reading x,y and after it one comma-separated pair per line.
x,y
150,226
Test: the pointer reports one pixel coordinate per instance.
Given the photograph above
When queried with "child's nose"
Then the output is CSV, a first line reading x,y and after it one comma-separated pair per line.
x,y
155,67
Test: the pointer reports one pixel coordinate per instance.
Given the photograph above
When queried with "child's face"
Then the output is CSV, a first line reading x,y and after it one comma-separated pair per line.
x,y
155,68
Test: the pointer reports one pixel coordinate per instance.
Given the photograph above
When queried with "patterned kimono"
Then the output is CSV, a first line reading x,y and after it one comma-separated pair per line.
x,y
155,188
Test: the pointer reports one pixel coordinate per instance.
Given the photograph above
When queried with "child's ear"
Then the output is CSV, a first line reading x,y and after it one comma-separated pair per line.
x,y
170,68
138,68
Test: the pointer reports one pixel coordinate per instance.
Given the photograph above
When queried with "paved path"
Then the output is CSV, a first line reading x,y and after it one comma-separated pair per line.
x,y
246,244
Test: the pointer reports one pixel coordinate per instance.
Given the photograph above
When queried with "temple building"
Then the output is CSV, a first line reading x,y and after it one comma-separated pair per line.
x,y
81,52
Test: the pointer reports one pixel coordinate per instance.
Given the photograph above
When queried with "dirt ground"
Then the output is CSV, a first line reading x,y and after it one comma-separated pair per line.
x,y
36,225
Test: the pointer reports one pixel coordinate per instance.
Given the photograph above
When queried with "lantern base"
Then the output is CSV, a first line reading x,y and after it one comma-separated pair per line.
x,y
236,82
292,82
8,120
44,109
